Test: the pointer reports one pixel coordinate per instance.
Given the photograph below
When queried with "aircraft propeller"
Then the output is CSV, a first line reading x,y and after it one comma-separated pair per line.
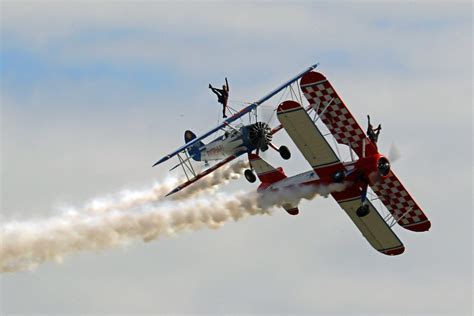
x,y
260,135
394,153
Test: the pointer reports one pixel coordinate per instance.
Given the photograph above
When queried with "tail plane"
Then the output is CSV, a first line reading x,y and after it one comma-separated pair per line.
x,y
266,172
268,175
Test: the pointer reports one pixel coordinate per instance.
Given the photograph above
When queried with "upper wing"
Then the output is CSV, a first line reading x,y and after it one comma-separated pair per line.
x,y
400,203
306,135
236,115
334,113
372,226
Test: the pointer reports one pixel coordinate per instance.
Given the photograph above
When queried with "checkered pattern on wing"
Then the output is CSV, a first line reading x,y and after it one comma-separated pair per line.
x,y
398,201
337,117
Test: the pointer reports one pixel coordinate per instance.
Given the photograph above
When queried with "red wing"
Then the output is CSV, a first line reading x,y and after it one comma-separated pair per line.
x,y
334,113
400,203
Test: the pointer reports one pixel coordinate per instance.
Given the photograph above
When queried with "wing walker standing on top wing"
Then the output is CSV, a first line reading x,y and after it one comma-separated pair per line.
x,y
222,96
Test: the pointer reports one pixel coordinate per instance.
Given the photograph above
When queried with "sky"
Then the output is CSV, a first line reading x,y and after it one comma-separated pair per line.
x,y
94,92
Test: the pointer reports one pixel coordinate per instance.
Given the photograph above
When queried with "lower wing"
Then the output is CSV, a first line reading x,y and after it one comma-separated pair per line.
x,y
204,173
372,226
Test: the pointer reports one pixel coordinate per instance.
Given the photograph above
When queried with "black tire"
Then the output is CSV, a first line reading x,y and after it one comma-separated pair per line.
x,y
362,211
338,176
284,152
250,176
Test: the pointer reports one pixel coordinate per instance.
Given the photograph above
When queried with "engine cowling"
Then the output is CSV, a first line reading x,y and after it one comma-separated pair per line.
x,y
383,166
260,135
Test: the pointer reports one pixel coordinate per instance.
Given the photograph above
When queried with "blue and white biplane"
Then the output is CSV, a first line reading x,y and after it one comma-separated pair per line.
x,y
234,142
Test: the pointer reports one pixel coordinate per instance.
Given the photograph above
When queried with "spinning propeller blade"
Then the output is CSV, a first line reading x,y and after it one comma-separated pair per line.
x,y
394,153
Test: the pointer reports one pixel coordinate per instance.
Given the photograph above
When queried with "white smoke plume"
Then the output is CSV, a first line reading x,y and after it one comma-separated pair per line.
x,y
294,195
140,215
211,183
128,199
24,245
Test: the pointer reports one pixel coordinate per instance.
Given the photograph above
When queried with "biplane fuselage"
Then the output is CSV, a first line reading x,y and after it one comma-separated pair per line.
x,y
356,175
233,142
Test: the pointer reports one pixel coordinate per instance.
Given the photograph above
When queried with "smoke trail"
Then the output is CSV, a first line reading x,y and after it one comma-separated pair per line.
x,y
107,221
210,184
128,199
25,245
294,195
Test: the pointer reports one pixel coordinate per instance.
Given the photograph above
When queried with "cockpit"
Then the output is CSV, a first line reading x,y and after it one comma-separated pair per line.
x,y
232,131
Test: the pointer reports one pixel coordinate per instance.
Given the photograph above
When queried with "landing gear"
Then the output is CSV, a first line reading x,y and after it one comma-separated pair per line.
x,y
338,176
250,176
363,210
284,152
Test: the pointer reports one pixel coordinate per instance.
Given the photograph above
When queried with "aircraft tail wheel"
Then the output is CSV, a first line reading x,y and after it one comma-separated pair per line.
x,y
250,176
284,152
363,211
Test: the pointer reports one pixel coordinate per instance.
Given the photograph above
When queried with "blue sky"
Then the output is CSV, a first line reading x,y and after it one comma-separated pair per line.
x,y
94,92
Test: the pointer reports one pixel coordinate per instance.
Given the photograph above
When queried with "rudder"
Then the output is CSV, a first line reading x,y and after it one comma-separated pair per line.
x,y
194,151
266,172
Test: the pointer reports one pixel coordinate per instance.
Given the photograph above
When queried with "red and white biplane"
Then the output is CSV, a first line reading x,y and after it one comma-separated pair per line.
x,y
370,169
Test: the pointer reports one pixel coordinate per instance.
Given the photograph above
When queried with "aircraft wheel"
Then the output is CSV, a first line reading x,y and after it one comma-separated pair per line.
x,y
363,211
284,152
250,176
338,176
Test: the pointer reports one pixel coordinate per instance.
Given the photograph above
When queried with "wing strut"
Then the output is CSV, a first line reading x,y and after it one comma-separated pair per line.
x,y
391,220
185,163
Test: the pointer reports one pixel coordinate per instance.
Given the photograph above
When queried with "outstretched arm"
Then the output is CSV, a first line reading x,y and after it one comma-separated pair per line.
x,y
226,84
